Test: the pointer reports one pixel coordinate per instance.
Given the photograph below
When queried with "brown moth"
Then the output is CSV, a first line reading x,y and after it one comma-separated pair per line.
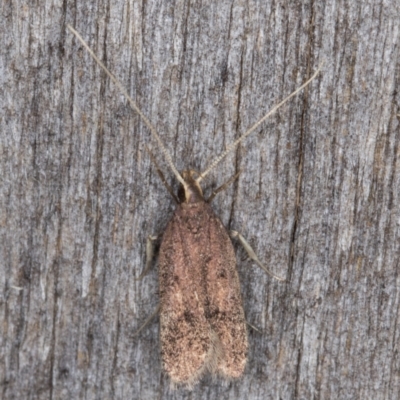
x,y
202,322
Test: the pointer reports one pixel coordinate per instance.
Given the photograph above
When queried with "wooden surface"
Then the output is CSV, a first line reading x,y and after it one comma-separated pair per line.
x,y
318,197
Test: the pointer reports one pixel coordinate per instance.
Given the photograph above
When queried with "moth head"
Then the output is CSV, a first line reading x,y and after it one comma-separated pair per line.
x,y
190,192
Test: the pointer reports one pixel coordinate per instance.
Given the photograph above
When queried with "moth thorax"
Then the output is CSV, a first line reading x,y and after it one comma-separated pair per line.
x,y
191,192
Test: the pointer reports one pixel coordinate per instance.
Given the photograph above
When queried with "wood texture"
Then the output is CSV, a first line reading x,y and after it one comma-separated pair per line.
x,y
318,197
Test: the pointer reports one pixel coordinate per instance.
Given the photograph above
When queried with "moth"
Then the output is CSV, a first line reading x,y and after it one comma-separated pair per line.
x,y
202,322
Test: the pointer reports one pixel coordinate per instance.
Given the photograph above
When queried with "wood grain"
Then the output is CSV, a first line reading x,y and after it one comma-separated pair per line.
x,y
318,197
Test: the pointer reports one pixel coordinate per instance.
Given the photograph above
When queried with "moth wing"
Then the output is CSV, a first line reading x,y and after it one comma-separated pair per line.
x,y
226,313
185,333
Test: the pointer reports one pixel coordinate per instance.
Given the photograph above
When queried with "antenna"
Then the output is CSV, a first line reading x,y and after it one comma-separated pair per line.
x,y
233,145
133,105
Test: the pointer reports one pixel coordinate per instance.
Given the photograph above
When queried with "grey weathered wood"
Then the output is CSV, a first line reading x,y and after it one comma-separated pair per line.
x,y
318,197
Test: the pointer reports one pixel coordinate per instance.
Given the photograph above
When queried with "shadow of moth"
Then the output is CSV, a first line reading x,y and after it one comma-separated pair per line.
x,y
202,322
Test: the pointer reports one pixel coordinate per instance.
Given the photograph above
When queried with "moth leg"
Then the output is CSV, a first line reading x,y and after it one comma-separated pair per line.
x,y
150,247
253,327
148,320
162,177
223,187
252,254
